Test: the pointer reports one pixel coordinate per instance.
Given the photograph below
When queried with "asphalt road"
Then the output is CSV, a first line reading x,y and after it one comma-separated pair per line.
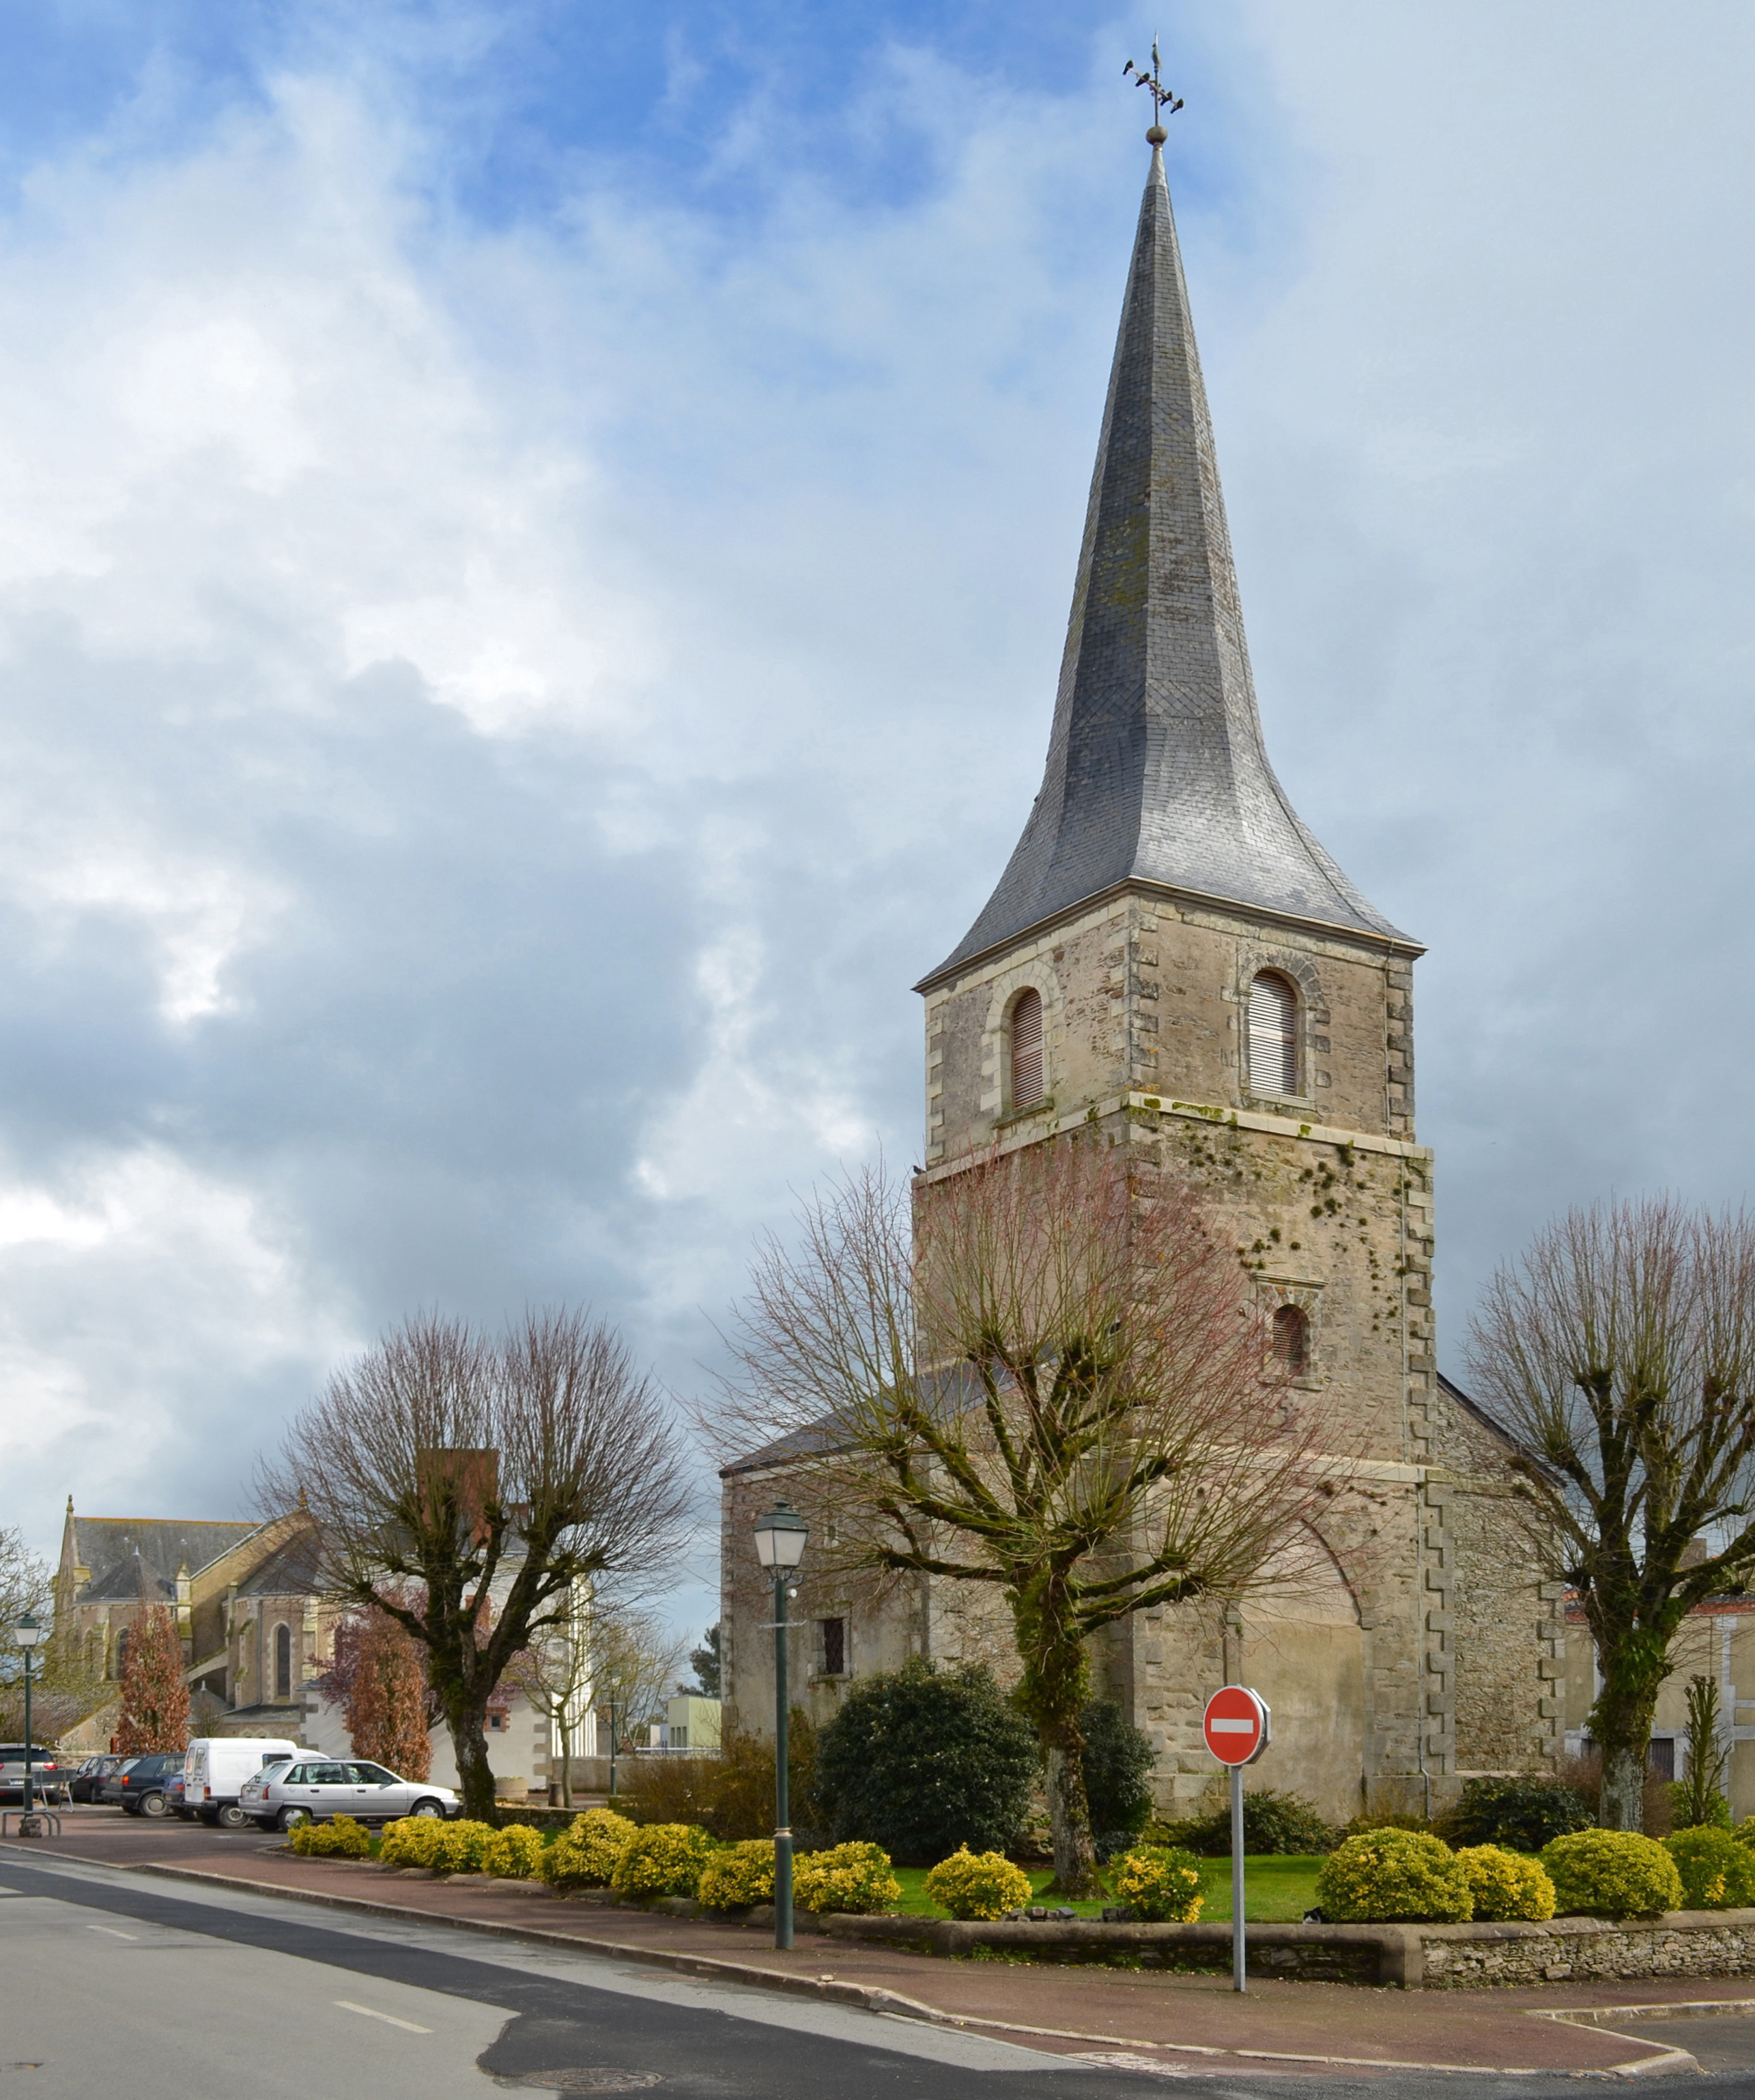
x,y
108,1985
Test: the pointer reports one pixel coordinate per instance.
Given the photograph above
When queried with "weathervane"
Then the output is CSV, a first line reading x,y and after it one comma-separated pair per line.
x,y
1163,99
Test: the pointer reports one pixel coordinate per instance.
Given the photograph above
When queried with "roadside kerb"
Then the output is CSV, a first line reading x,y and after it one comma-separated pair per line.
x,y
1120,2051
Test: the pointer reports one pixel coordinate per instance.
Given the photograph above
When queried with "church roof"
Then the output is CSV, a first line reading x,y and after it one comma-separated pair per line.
x,y
136,1557
1157,772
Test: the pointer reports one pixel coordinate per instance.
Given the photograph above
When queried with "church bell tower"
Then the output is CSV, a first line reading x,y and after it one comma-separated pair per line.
x,y
1172,957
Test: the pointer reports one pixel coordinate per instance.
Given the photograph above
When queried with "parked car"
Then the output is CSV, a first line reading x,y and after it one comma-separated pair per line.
x,y
216,1767
286,1794
48,1779
140,1786
87,1782
173,1802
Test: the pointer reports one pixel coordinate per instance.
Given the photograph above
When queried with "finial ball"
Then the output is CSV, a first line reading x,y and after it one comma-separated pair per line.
x,y
1156,135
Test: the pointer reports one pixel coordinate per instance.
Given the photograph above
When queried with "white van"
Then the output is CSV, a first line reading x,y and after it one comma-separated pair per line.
x,y
216,1766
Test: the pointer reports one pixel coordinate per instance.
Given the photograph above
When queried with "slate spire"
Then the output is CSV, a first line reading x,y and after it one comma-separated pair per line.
x,y
1157,771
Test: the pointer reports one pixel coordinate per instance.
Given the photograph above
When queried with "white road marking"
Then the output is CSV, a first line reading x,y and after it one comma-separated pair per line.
x,y
370,2013
112,1930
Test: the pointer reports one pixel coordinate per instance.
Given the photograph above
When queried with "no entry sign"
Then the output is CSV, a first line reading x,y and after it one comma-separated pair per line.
x,y
1237,1725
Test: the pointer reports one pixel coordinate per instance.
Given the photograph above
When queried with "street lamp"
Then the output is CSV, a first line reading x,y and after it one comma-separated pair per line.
x,y
780,1546
27,1633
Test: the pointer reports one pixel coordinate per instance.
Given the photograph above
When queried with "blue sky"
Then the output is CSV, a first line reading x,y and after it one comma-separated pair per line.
x,y
534,543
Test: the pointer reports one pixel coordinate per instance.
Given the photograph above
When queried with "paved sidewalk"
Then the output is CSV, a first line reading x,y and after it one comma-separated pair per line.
x,y
1162,2019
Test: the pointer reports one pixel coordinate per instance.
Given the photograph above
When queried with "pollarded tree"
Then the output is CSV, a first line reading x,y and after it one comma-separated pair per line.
x,y
463,1484
155,1699
1049,1377
1620,1350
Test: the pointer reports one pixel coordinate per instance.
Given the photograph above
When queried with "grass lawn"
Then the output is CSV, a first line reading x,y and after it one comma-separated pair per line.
x,y
1276,1889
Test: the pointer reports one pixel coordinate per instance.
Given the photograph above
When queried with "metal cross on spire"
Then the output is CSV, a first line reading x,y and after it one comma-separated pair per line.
x,y
1163,99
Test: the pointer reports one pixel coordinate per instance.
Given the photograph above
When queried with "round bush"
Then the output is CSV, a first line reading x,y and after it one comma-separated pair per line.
x,y
845,1877
1718,1873
584,1856
1611,1873
1504,1886
515,1854
342,1839
410,1840
737,1875
663,1859
1523,1814
921,1761
1272,1822
1386,1874
1159,1883
461,1847
1118,1764
977,1885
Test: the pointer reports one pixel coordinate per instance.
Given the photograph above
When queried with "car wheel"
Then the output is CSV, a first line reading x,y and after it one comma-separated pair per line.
x,y
230,1817
151,1804
289,1819
428,1808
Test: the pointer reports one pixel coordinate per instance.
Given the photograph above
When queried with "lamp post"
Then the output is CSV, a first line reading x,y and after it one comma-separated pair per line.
x,y
28,1632
780,1546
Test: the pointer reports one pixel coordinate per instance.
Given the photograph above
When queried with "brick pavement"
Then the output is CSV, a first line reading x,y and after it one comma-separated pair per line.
x,y
1066,2010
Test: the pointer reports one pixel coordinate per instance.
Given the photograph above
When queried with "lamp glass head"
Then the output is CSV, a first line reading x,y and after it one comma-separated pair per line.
x,y
27,1633
780,1537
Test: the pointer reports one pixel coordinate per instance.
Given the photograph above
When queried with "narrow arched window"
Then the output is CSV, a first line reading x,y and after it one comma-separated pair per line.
x,y
1026,1049
1273,1035
1291,1341
283,1662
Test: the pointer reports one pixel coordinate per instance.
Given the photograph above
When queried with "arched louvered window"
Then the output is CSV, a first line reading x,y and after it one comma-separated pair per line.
x,y
1291,1341
1026,1049
1273,1035
283,1662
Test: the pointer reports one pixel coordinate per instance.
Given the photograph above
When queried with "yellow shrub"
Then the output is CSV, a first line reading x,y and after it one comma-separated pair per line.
x,y
342,1839
461,1847
1160,1883
515,1853
1383,1874
977,1885
846,1878
1718,1873
1611,1873
737,1875
412,1841
584,1856
1506,1887
663,1859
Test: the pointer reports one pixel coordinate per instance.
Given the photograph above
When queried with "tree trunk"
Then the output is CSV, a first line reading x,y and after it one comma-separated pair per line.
x,y
1052,1692
1075,1855
1620,1725
566,1738
475,1779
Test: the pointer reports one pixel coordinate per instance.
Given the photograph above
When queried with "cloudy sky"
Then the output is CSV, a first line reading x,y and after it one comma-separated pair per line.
x,y
534,541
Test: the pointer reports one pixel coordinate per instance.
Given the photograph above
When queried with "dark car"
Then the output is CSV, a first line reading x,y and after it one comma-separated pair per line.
x,y
140,1786
87,1783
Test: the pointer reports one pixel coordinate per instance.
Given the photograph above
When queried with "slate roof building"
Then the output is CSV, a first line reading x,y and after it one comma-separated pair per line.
x,y
1172,958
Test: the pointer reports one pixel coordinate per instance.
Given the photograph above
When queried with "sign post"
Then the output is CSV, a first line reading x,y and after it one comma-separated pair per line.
x,y
1238,1728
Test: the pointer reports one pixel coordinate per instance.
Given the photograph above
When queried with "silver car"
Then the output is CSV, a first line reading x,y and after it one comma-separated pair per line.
x,y
289,1792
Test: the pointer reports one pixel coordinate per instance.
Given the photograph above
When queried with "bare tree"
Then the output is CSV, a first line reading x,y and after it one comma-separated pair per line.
x,y
1620,1350
556,1674
1056,1385
463,1484
636,1659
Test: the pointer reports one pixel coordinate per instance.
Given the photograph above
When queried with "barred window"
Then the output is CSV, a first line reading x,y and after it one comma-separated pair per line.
x,y
834,1633
1273,1035
1026,1049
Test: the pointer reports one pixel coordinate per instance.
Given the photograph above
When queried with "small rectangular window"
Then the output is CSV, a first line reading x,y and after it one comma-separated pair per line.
x,y
834,1633
1661,1757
